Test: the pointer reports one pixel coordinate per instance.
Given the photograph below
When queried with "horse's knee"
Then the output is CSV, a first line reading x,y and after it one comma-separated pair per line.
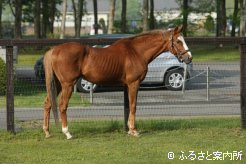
x,y
47,104
63,111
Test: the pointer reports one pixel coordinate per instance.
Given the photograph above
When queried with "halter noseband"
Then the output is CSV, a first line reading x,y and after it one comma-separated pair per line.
x,y
172,46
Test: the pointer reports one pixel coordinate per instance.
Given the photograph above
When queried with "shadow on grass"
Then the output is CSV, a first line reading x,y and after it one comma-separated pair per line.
x,y
147,126
33,129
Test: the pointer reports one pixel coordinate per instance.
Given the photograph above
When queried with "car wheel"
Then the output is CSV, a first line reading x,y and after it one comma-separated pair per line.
x,y
85,86
174,79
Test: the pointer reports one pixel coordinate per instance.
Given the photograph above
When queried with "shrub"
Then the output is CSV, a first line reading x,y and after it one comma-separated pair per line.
x,y
2,77
209,24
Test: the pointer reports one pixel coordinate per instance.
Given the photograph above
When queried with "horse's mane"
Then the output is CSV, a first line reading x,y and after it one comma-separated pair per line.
x,y
148,33
153,32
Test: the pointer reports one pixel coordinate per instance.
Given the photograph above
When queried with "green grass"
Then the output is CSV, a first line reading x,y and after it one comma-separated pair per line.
x,y
29,56
106,142
32,95
28,60
37,100
210,53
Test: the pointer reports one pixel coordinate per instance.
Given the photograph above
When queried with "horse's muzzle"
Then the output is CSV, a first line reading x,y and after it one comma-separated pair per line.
x,y
187,60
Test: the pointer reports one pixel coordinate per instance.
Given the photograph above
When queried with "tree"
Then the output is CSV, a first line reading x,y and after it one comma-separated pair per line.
x,y
196,6
185,16
204,6
145,15
18,16
63,23
95,16
243,17
45,18
134,13
123,16
52,12
1,7
16,8
48,12
234,17
111,17
37,19
40,12
151,16
221,18
78,10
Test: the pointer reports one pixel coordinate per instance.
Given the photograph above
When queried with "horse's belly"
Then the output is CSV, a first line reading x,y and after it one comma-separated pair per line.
x,y
103,77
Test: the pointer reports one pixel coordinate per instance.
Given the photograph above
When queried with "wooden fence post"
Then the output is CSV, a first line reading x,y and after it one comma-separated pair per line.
x,y
243,84
10,89
126,108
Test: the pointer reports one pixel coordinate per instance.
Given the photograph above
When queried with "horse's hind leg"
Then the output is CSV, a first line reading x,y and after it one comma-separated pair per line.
x,y
47,107
65,96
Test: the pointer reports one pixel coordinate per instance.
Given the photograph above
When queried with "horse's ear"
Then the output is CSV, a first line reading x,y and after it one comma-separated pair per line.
x,y
178,29
181,28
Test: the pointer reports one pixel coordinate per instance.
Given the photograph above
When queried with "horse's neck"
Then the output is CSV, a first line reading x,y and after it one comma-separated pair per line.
x,y
150,47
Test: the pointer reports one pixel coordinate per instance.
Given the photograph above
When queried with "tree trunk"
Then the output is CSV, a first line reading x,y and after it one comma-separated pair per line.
x,y
95,16
44,18
185,16
18,16
51,16
111,17
63,23
151,16
243,17
78,13
123,16
234,19
75,12
37,23
48,17
221,18
145,15
1,7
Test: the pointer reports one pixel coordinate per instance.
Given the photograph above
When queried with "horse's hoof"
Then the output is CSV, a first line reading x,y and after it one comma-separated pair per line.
x,y
133,133
47,135
69,137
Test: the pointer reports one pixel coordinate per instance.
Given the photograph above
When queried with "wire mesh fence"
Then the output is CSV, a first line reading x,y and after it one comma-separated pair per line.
x,y
211,88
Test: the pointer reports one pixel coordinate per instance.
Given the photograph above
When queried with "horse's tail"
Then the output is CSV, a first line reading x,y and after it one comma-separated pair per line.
x,y
51,87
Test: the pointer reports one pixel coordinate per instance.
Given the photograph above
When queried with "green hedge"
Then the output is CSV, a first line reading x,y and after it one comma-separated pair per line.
x,y
2,77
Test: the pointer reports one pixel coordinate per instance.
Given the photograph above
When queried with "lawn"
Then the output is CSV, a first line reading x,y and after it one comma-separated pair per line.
x,y
33,100
27,60
30,95
211,53
106,142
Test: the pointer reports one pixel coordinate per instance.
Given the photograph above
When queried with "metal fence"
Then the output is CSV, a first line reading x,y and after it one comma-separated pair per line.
x,y
213,88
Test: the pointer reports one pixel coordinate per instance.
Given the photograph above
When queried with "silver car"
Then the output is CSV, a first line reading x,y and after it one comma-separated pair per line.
x,y
166,70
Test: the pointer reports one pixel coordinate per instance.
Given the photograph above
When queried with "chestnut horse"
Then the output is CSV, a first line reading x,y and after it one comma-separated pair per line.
x,y
125,62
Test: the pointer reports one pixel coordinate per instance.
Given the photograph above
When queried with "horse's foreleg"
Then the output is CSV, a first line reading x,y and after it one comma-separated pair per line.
x,y
132,95
65,96
47,107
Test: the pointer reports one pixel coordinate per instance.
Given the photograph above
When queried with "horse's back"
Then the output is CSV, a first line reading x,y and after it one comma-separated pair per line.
x,y
71,49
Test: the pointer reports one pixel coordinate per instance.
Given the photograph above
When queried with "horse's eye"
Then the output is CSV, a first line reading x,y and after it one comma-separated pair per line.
x,y
179,42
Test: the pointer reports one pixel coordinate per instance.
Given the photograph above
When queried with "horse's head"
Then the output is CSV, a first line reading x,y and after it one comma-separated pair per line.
x,y
177,45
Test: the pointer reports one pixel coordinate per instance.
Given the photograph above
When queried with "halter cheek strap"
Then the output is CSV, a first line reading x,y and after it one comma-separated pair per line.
x,y
171,40
172,46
